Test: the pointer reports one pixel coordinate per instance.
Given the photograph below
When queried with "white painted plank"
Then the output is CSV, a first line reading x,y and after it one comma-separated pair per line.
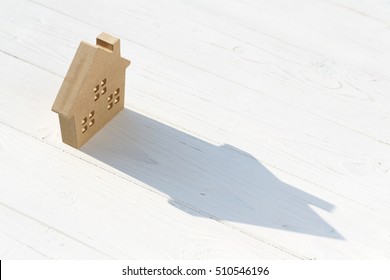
x,y
377,10
318,152
306,84
236,188
25,238
120,218
300,127
214,180
315,70
11,249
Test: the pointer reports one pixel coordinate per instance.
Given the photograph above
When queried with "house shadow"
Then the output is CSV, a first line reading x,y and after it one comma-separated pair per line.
x,y
203,179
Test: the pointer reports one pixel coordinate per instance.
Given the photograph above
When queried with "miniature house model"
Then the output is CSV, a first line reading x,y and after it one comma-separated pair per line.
x,y
93,90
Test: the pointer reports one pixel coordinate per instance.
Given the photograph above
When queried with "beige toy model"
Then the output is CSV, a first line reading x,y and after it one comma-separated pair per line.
x,y
93,90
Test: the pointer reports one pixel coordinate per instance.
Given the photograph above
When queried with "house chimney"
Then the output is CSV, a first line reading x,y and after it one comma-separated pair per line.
x,y
108,42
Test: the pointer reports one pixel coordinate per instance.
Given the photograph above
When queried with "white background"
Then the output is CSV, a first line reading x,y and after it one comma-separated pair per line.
x,y
278,270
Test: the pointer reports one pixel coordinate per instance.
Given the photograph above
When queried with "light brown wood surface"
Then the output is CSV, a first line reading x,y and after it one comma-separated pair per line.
x,y
92,92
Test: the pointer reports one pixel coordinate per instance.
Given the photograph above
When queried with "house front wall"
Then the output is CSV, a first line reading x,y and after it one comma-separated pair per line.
x,y
101,96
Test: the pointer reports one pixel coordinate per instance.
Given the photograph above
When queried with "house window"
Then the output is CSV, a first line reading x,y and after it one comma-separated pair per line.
x,y
103,89
91,122
85,119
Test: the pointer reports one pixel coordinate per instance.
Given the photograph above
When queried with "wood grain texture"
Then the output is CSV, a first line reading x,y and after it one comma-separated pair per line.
x,y
251,129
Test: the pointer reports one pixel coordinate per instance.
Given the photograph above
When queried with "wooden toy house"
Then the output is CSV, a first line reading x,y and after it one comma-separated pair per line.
x,y
93,90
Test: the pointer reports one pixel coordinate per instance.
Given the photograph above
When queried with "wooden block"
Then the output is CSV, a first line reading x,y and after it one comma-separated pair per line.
x,y
93,90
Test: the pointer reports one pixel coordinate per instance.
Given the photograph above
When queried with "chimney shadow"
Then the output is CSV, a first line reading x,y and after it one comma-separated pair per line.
x,y
221,182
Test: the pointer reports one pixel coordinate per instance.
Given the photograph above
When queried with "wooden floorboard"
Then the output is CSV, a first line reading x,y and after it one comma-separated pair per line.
x,y
260,124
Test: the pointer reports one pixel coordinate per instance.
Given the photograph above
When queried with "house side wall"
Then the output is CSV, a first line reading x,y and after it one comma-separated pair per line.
x,y
68,131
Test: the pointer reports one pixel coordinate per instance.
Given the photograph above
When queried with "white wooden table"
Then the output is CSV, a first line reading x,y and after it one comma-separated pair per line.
x,y
252,129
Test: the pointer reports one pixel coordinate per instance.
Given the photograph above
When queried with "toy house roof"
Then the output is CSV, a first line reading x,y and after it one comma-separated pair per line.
x,y
89,61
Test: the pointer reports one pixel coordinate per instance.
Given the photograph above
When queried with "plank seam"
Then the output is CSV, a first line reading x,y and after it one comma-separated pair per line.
x,y
23,244
183,204
216,75
30,63
55,229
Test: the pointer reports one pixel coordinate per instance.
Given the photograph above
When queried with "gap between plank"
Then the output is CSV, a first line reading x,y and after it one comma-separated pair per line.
x,y
55,229
184,205
206,71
